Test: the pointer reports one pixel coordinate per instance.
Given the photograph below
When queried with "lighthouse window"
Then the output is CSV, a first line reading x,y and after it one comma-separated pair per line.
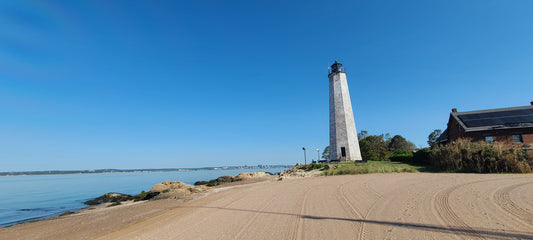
x,y
343,151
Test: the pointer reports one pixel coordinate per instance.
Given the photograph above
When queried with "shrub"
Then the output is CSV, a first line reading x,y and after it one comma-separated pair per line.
x,y
422,156
144,196
401,156
312,166
464,155
201,183
212,183
369,167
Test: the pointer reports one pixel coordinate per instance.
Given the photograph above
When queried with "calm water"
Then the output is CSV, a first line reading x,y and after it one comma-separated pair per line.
x,y
27,198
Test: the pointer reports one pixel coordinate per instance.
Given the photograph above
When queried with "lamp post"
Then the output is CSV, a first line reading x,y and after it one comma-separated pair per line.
x,y
318,154
305,157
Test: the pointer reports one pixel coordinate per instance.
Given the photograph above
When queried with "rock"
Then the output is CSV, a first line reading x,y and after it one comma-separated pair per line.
x,y
243,176
110,197
201,183
176,189
170,186
224,179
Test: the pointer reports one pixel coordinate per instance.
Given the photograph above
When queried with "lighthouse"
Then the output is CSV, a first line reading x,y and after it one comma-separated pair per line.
x,y
343,142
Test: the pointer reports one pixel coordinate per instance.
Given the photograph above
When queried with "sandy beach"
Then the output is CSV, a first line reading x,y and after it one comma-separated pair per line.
x,y
372,206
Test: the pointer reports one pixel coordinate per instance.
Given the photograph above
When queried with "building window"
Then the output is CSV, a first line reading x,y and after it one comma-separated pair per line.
x,y
489,139
517,138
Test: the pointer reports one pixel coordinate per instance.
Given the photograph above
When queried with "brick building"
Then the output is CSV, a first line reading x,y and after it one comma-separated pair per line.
x,y
511,126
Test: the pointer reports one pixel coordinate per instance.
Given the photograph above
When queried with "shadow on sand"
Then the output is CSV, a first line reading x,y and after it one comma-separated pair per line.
x,y
476,233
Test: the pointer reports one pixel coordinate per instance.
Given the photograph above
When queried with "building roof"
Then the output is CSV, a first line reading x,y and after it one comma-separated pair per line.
x,y
492,119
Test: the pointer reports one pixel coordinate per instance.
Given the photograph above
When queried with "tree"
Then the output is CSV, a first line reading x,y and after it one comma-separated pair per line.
x,y
325,153
399,143
433,136
374,148
362,134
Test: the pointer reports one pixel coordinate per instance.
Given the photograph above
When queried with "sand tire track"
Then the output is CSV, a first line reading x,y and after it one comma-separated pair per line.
x,y
253,218
503,200
295,224
448,215
355,214
362,232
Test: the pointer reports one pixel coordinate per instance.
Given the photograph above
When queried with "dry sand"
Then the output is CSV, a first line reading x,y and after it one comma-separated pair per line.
x,y
373,206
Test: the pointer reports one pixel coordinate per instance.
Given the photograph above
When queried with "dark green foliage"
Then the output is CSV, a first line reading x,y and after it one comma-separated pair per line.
x,y
212,183
215,182
312,166
92,202
144,196
432,138
224,179
464,155
374,148
422,156
325,153
119,197
109,197
399,143
369,167
201,183
401,156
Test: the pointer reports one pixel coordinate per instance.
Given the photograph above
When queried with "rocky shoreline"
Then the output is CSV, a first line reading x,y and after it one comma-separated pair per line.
x,y
176,190
180,190
170,190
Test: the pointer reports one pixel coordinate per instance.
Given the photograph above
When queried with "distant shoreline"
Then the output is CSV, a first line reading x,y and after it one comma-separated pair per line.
x,y
60,172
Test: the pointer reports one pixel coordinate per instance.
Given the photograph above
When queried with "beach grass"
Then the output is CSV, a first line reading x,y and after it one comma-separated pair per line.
x,y
369,167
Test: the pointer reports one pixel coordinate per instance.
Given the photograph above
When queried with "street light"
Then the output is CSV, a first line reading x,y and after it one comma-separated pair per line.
x,y
318,154
305,158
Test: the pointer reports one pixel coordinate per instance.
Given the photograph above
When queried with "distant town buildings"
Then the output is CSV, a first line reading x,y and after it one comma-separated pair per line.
x,y
511,126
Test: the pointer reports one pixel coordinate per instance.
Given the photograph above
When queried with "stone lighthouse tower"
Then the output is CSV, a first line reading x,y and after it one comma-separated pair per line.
x,y
343,143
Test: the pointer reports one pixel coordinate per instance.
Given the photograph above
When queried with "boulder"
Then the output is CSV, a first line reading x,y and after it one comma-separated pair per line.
x,y
170,186
224,179
110,197
176,189
243,176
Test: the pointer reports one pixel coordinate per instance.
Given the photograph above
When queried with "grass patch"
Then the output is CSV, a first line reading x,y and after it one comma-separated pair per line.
x,y
312,166
370,167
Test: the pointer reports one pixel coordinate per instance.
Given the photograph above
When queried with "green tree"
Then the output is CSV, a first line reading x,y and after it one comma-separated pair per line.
x,y
374,148
399,143
433,136
362,134
325,153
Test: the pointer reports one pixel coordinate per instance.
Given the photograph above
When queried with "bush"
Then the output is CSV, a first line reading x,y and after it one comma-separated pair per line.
x,y
369,167
212,183
464,155
401,156
312,166
144,196
201,183
422,156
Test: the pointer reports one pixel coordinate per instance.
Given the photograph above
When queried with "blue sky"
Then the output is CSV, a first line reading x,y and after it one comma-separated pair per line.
x,y
154,84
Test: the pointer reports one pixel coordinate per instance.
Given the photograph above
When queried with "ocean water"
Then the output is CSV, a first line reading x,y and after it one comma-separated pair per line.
x,y
28,198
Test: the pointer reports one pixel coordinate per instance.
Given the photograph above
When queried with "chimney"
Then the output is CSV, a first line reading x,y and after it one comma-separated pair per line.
x,y
454,109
